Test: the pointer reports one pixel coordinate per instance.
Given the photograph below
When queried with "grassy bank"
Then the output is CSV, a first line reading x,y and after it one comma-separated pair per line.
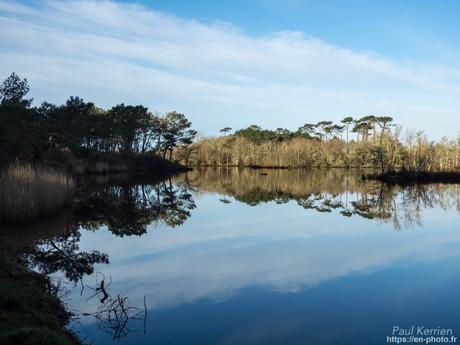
x,y
28,192
29,313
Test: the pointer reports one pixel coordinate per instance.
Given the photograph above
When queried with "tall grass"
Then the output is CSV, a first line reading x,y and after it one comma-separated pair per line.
x,y
28,192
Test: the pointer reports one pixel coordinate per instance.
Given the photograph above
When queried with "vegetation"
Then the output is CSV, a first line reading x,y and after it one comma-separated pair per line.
x,y
127,210
81,130
29,312
376,143
28,192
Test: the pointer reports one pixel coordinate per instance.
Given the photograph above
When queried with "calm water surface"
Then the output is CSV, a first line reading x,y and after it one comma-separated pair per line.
x,y
238,257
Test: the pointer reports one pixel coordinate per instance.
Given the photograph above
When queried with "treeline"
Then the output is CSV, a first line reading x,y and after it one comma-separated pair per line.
x,y
370,141
30,133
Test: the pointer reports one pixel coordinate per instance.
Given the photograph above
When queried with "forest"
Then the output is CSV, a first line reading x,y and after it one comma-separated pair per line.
x,y
81,129
43,148
369,141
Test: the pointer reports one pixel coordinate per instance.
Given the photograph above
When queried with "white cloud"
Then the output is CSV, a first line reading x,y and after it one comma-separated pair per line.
x,y
222,250
110,52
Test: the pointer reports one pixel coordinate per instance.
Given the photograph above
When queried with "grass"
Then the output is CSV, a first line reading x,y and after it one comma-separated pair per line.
x,y
28,192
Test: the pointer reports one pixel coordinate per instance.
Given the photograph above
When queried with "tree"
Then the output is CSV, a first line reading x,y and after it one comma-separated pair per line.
x,y
13,90
364,124
226,130
324,126
383,122
347,122
128,121
337,129
308,130
81,127
20,132
361,128
283,133
71,125
185,152
177,131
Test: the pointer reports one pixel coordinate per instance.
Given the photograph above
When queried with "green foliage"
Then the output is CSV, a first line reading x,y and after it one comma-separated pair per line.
x,y
258,135
13,90
226,130
177,131
308,130
347,120
20,130
126,121
28,133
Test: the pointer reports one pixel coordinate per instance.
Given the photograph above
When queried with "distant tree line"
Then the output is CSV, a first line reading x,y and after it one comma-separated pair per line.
x,y
368,141
364,127
28,132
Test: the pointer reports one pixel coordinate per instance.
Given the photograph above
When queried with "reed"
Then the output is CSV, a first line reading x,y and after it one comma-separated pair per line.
x,y
28,192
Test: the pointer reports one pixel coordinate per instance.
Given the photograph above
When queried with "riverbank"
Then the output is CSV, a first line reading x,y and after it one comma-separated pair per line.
x,y
139,165
30,309
280,167
29,192
29,312
409,177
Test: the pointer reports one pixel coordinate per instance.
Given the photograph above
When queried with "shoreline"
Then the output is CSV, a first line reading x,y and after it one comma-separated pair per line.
x,y
29,312
411,178
89,171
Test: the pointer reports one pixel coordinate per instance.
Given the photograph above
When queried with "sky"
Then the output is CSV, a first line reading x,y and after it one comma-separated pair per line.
x,y
208,256
238,63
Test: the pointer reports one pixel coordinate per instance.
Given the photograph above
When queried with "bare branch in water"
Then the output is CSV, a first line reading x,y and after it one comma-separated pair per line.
x,y
114,313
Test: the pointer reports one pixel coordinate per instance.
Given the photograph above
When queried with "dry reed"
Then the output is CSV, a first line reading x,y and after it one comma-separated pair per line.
x,y
28,192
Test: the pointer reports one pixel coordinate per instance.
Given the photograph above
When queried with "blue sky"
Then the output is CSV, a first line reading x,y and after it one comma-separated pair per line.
x,y
236,63
402,29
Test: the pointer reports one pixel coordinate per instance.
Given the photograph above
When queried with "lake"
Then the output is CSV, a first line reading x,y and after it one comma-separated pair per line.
x,y
229,256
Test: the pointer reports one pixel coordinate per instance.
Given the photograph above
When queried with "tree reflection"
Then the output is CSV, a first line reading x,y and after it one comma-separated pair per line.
x,y
57,257
339,191
51,247
63,254
127,210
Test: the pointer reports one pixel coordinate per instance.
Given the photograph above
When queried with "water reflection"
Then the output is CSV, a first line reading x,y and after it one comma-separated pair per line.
x,y
52,246
259,251
127,209
327,191
62,254
288,248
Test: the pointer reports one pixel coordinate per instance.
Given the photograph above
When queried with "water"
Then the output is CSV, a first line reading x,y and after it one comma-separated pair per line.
x,y
239,257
